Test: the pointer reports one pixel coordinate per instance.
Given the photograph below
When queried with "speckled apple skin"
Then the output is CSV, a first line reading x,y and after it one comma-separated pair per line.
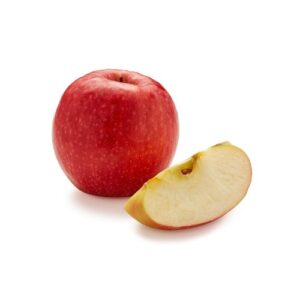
x,y
113,130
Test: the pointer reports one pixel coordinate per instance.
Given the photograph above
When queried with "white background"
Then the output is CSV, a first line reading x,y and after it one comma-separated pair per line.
x,y
233,70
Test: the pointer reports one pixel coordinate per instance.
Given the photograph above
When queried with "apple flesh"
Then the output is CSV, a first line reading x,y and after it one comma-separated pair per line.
x,y
113,130
200,190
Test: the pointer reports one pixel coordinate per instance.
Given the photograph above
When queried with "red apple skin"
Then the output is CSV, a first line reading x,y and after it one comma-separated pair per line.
x,y
113,130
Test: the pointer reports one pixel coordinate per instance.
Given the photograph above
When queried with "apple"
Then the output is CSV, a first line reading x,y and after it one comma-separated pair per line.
x,y
198,191
113,130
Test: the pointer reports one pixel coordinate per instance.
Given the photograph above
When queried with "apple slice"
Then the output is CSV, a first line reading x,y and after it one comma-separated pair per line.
x,y
200,190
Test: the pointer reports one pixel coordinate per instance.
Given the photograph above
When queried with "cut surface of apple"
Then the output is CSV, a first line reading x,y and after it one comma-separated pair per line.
x,y
200,190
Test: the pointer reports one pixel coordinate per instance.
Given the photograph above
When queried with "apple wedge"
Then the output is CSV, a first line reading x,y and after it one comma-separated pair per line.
x,y
200,190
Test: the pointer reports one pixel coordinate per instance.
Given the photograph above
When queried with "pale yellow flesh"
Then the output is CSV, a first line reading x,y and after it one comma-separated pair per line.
x,y
218,181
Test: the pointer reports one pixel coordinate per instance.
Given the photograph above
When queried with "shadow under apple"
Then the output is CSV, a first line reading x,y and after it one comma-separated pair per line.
x,y
112,207
181,234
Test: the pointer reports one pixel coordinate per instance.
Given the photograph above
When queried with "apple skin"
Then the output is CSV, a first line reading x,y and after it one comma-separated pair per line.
x,y
113,130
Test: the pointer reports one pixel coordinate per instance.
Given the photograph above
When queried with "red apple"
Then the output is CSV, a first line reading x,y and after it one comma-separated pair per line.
x,y
113,130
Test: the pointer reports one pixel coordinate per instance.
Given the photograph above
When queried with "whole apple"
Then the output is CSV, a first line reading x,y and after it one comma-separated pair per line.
x,y
113,130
